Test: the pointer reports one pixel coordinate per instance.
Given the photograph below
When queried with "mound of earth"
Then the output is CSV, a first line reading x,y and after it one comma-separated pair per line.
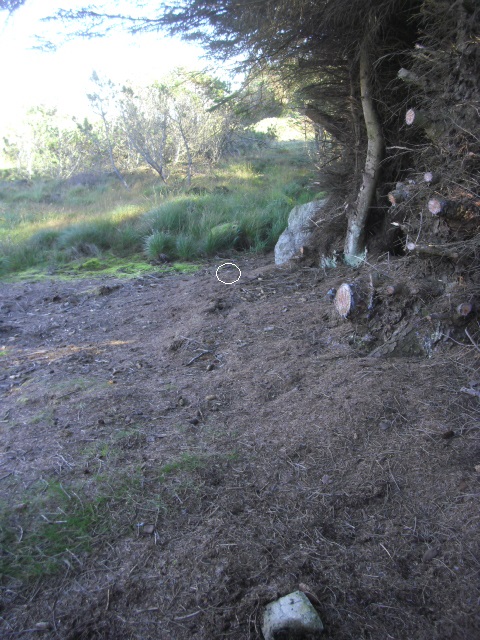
x,y
235,441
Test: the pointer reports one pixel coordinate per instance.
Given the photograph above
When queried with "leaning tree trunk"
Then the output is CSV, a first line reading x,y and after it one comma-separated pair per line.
x,y
355,239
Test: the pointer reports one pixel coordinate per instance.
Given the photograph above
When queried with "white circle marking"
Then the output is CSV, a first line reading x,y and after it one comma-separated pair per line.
x,y
225,264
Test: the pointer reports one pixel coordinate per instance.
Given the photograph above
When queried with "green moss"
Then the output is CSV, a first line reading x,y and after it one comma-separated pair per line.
x,y
94,264
93,267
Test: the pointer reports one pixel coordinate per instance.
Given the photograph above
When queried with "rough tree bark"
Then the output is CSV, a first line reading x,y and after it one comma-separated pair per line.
x,y
355,238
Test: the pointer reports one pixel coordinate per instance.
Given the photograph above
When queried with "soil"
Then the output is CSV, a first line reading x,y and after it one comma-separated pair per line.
x,y
279,452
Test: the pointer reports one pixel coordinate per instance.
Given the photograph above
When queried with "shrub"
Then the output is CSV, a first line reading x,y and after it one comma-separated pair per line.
x,y
99,233
158,244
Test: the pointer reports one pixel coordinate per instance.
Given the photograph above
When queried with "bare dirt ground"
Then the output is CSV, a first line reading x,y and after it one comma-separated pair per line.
x,y
244,442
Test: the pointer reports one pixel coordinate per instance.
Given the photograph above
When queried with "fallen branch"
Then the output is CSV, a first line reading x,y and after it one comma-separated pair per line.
x,y
472,340
471,392
432,250
200,355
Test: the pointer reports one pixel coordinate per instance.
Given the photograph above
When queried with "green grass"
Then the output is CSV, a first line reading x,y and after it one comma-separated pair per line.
x,y
241,205
46,531
55,525
186,462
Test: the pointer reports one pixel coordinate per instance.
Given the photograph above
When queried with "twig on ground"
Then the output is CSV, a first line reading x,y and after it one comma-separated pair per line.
x,y
198,357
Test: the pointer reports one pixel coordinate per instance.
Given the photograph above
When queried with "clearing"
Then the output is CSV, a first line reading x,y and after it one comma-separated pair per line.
x,y
177,452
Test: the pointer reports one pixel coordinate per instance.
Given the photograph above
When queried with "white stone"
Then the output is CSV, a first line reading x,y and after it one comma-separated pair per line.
x,y
291,616
298,231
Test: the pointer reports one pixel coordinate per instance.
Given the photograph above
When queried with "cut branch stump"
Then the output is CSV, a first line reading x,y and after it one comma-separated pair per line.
x,y
464,309
416,118
353,300
440,206
420,120
391,290
400,194
431,178
455,317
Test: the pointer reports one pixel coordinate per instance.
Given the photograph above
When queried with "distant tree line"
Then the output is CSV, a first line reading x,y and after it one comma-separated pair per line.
x,y
187,120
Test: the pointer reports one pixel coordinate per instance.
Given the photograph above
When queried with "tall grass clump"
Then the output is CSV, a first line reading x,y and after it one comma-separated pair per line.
x,y
15,258
128,239
175,215
222,237
160,245
44,239
97,232
248,214
186,247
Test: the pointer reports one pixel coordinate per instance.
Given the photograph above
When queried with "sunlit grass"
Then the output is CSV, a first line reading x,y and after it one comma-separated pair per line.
x,y
240,205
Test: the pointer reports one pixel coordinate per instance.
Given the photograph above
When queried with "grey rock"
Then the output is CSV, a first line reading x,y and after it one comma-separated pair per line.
x,y
298,231
291,617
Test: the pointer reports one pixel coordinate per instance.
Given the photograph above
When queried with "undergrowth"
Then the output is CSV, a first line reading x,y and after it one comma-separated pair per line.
x,y
240,205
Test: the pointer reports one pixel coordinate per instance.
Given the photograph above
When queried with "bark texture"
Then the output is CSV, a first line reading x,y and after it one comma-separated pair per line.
x,y
355,238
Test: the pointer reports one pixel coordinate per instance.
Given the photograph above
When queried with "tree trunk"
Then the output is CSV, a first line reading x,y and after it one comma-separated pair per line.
x,y
355,239
335,128
115,169
187,149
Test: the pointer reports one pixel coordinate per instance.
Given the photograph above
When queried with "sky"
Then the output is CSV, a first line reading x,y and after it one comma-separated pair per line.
x,y
29,77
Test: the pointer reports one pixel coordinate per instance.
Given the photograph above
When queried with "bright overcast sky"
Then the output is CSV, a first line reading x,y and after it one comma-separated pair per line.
x,y
29,77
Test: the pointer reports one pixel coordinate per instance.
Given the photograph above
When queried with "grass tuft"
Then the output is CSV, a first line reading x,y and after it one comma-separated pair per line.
x,y
160,244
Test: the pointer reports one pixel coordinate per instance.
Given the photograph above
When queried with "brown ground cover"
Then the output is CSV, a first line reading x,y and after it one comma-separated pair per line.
x,y
219,445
